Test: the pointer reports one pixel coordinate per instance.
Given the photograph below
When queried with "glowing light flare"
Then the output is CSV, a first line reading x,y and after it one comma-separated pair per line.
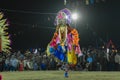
x,y
74,16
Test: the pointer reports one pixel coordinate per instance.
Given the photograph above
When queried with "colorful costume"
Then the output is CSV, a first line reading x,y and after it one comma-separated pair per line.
x,y
65,42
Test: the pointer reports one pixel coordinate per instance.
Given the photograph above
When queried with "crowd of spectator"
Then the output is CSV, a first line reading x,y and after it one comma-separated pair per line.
x,y
91,60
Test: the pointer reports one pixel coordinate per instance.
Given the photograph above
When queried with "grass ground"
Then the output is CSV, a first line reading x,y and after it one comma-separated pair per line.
x,y
59,75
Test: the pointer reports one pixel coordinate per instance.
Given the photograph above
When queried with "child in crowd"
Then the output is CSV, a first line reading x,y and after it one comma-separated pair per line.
x,y
21,66
66,70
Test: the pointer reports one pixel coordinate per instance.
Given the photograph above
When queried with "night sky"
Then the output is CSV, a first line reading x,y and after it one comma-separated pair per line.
x,y
32,21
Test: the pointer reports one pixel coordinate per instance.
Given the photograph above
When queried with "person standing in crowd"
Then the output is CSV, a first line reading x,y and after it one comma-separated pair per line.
x,y
7,64
21,66
14,63
43,65
66,70
90,61
25,63
117,62
35,66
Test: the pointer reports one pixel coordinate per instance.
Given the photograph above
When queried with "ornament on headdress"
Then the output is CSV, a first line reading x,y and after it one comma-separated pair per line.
x,y
63,17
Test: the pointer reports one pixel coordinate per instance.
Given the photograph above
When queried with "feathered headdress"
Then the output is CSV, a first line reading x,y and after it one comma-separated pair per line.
x,y
4,37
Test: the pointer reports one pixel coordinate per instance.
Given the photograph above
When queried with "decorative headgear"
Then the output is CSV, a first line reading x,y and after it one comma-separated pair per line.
x,y
63,17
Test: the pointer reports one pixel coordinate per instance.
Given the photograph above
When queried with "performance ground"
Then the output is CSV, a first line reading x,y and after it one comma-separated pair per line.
x,y
59,75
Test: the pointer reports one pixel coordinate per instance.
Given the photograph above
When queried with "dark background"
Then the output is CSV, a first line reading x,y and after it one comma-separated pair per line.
x,y
32,21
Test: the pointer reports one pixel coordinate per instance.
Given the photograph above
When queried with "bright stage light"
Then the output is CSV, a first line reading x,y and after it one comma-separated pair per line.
x,y
74,16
